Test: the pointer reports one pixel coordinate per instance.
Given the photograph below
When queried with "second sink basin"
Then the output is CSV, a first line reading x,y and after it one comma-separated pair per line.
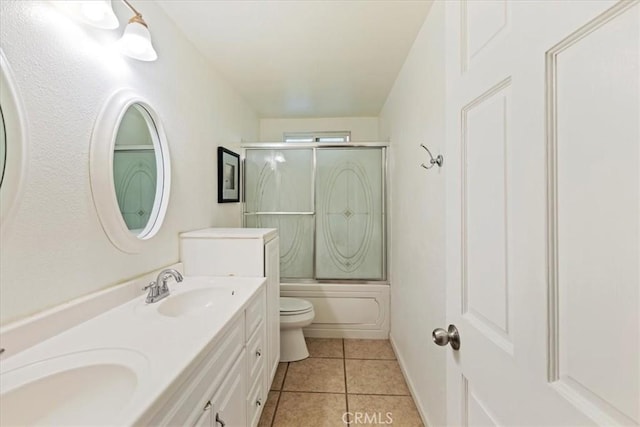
x,y
75,389
192,302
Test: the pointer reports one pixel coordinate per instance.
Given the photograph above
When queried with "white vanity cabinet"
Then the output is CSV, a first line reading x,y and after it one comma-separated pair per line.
x,y
229,408
189,359
220,388
256,359
206,418
248,252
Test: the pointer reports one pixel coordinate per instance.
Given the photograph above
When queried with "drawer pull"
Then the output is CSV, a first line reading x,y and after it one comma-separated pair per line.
x,y
220,420
259,353
259,402
207,406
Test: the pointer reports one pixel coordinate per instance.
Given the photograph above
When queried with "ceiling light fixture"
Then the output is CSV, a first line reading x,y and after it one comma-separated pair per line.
x,y
136,39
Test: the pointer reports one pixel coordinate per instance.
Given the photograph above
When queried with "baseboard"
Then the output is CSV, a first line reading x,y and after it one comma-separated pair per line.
x,y
412,389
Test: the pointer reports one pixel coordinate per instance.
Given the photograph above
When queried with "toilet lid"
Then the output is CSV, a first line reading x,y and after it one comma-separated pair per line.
x,y
294,306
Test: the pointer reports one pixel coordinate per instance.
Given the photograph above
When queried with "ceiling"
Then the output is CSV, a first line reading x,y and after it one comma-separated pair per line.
x,y
323,58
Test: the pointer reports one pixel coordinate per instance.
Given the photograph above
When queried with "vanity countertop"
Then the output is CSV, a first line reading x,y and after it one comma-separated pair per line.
x,y
131,355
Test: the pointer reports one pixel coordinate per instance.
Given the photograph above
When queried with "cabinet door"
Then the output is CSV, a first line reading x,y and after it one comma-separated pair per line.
x,y
230,399
272,273
206,419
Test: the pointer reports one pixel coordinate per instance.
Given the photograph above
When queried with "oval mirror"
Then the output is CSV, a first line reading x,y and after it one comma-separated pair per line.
x,y
129,171
12,144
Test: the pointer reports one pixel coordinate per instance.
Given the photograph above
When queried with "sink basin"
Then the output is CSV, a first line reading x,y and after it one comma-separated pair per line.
x,y
193,302
84,388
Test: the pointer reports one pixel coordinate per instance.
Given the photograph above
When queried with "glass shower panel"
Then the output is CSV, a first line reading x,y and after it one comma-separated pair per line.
x,y
349,191
279,180
296,242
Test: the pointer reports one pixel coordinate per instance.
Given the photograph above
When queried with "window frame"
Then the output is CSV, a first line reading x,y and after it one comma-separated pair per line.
x,y
322,137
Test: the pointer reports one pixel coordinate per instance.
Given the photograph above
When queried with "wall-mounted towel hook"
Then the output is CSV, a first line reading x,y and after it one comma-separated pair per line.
x,y
439,160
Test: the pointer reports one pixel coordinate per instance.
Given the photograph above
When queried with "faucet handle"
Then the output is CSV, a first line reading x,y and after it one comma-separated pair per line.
x,y
154,291
150,285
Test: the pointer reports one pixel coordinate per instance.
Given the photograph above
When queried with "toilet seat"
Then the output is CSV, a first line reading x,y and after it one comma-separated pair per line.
x,y
294,306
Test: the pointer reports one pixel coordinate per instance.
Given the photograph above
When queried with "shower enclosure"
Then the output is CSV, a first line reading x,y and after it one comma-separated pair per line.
x,y
328,204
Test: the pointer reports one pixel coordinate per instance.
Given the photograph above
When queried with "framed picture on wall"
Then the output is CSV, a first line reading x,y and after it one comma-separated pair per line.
x,y
228,176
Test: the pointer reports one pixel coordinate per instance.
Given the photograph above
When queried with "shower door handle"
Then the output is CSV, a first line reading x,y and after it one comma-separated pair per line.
x,y
450,336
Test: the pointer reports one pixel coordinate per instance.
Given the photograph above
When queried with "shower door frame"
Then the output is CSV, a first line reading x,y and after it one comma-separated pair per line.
x,y
268,146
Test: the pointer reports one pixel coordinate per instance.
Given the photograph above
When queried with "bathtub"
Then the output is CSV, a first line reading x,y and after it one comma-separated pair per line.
x,y
344,310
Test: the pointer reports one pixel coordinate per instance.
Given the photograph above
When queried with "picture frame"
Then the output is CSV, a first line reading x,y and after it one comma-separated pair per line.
x,y
228,176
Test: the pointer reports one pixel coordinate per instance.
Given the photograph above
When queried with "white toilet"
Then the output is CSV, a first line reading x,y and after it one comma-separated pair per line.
x,y
295,314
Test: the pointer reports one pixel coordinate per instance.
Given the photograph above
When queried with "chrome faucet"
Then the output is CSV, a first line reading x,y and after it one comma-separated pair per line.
x,y
158,288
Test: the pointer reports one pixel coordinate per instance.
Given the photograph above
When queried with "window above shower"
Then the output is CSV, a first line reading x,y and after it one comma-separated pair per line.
x,y
327,137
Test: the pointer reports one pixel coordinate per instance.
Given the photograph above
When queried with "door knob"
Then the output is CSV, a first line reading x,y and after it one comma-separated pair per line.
x,y
451,336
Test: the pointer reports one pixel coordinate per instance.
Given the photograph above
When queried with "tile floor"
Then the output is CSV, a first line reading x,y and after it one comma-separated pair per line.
x,y
360,378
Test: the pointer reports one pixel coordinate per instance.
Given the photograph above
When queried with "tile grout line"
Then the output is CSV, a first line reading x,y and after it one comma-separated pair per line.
x,y
275,411
310,392
379,394
329,357
346,391
339,392
363,358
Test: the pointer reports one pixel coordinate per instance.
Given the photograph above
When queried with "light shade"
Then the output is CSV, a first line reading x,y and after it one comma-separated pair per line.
x,y
136,42
98,13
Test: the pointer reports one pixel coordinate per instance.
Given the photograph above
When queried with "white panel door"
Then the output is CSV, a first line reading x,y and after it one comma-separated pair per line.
x,y
543,208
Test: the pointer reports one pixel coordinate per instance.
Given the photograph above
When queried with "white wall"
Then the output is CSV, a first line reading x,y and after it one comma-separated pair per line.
x,y
414,114
362,128
55,249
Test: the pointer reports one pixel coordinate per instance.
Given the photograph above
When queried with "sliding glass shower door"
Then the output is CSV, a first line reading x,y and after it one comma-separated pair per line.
x,y
349,214
279,194
328,205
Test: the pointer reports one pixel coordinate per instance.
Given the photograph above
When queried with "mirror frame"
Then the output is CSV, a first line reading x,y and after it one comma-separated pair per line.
x,y
103,141
16,148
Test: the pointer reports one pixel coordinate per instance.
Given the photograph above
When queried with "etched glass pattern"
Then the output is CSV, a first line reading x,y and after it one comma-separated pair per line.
x,y
135,176
349,214
296,242
279,180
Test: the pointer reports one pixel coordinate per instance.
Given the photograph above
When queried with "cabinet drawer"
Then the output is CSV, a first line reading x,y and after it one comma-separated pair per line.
x,y
256,399
255,313
256,352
